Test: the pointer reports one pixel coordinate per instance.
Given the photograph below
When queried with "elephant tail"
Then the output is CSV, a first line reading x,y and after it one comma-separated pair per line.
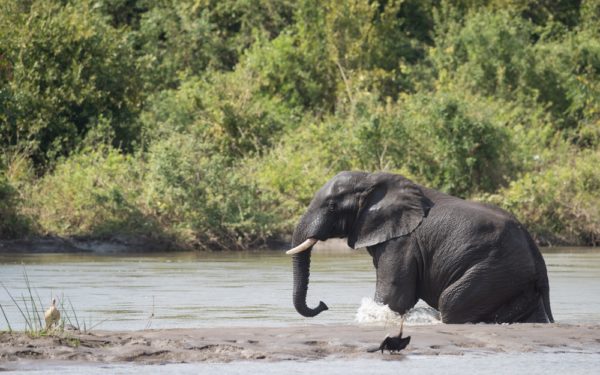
x,y
546,297
542,283
544,289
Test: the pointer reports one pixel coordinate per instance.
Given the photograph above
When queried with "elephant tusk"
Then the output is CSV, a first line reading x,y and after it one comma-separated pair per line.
x,y
302,247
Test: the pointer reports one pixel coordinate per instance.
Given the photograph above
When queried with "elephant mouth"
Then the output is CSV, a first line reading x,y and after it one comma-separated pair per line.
x,y
303,246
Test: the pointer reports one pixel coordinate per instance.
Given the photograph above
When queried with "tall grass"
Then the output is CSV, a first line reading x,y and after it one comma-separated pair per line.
x,y
6,318
31,309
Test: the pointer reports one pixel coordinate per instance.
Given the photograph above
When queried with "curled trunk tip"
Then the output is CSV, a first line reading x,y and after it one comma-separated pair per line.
x,y
301,265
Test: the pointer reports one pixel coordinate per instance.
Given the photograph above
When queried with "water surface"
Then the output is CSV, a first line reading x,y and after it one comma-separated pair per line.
x,y
240,289
530,363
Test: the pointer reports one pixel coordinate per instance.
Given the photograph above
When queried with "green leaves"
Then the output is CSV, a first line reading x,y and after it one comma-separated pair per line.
x,y
94,192
213,122
558,204
67,68
456,144
200,198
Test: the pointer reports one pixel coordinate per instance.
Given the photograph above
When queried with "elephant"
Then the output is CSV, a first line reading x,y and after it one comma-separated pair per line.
x,y
473,262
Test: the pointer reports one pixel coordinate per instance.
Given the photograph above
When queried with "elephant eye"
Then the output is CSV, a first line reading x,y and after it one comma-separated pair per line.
x,y
331,206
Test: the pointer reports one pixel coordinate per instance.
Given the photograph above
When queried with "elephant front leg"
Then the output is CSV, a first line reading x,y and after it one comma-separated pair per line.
x,y
396,277
400,303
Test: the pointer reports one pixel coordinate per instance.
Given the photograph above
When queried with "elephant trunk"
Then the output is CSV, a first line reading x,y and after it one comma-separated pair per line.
x,y
301,265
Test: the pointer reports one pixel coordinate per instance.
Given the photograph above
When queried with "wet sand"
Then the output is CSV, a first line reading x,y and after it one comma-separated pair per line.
x,y
311,342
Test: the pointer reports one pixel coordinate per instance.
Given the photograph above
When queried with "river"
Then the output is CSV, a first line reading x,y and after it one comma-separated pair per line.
x,y
125,292
174,290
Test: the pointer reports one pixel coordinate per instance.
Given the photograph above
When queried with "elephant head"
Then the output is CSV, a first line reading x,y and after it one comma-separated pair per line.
x,y
367,209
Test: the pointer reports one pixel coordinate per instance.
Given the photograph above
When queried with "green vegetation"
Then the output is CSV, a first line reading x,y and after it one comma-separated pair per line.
x,y
211,123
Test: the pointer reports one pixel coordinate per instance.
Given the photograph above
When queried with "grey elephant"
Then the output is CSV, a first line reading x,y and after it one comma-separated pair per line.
x,y
471,261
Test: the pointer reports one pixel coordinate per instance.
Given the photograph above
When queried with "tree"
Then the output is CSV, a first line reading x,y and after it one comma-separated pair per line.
x,y
67,68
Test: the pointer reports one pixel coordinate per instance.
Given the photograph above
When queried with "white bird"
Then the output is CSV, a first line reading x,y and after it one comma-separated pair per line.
x,y
52,315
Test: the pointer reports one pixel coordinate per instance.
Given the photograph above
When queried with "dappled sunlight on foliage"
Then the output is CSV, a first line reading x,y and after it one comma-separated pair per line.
x,y
67,68
212,123
94,192
201,199
558,204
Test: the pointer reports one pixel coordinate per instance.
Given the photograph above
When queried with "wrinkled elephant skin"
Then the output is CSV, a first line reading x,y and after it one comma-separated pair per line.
x,y
473,262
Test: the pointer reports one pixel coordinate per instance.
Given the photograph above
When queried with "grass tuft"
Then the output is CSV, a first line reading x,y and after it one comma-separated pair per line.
x,y
31,310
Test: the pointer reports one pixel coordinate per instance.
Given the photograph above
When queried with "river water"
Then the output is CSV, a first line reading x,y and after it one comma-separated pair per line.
x,y
124,292
242,289
530,364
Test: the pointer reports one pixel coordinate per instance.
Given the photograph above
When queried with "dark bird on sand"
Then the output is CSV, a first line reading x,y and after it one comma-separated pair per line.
x,y
392,343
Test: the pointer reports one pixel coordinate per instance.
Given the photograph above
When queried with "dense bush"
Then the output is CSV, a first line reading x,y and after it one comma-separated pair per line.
x,y
495,53
455,143
12,221
16,174
558,204
67,68
486,52
300,163
212,123
96,192
179,39
226,111
201,199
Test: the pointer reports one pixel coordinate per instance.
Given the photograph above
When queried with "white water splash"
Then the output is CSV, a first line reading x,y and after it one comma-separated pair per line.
x,y
371,312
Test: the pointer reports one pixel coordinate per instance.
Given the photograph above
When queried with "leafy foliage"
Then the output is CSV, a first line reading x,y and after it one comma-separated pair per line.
x,y
64,68
212,123
456,144
558,204
201,199
94,192
13,224
15,176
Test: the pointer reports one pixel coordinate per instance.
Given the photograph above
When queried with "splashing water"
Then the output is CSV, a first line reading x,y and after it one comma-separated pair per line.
x,y
371,312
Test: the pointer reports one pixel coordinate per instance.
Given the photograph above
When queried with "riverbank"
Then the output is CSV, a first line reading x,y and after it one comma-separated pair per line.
x,y
124,244
273,344
113,244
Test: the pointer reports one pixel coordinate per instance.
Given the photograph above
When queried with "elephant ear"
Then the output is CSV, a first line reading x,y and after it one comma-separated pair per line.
x,y
392,206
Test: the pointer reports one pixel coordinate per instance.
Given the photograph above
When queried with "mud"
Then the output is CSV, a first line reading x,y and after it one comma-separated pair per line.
x,y
304,343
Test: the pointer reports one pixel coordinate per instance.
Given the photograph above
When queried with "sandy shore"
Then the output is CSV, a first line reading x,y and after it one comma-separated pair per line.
x,y
292,343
